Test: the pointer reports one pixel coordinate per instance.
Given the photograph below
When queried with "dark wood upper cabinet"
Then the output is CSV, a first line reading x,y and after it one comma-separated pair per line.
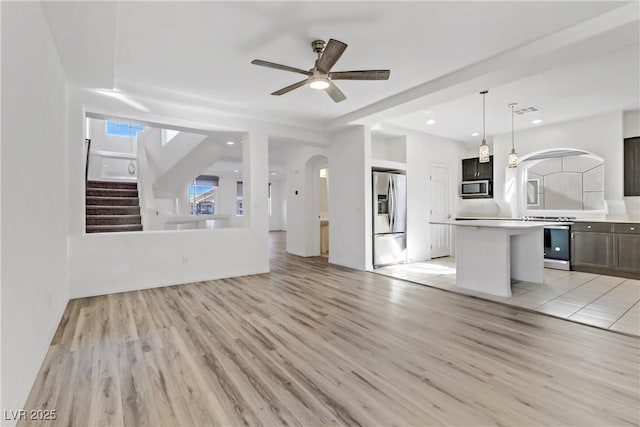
x,y
632,166
485,170
473,170
469,169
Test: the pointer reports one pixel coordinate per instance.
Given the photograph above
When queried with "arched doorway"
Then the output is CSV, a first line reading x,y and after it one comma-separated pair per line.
x,y
317,205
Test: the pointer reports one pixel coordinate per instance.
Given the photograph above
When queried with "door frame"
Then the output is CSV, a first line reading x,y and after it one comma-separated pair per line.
x,y
312,211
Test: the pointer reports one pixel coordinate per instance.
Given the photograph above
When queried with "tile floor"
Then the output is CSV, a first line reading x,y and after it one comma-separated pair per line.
x,y
604,301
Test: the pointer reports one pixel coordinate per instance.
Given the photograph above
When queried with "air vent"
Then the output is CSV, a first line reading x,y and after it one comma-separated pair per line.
x,y
526,110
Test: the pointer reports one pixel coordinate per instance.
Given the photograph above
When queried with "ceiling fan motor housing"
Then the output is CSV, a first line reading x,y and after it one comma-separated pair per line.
x,y
318,46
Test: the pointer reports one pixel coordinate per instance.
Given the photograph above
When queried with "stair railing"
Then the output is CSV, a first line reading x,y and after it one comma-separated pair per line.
x,y
86,166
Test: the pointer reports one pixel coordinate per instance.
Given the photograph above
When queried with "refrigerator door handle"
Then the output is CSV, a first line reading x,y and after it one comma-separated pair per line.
x,y
392,206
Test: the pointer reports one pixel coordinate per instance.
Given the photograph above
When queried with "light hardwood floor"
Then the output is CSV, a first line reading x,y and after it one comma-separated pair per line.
x,y
313,344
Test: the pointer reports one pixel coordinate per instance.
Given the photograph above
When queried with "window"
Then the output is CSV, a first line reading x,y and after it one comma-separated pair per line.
x,y
123,129
239,206
202,195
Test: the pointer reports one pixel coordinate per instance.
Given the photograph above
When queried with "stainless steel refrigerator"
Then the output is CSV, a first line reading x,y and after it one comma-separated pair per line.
x,y
389,218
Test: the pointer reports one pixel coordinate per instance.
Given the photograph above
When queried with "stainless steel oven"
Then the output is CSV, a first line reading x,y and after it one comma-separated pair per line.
x,y
476,189
557,247
557,241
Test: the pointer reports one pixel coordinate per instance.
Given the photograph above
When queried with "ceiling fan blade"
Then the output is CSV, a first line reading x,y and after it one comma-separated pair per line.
x,y
335,93
360,75
279,67
330,55
290,87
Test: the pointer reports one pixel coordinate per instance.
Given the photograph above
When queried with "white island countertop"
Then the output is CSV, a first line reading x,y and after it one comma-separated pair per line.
x,y
493,223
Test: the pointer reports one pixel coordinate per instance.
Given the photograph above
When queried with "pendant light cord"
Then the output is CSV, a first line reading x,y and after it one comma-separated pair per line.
x,y
512,143
484,132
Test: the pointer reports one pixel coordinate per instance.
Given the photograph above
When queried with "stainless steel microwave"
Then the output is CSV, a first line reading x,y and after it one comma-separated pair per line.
x,y
476,189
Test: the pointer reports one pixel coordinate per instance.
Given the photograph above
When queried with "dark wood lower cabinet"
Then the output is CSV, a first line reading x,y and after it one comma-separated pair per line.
x,y
592,250
605,248
627,250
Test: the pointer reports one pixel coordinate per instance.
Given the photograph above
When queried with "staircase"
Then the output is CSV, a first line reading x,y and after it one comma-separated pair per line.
x,y
112,206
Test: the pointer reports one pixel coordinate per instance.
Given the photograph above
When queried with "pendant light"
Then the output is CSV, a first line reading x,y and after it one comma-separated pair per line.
x,y
513,156
484,148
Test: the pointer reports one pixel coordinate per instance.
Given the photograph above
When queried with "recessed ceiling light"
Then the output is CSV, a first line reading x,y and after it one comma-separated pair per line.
x,y
273,173
431,122
475,134
230,142
536,121
236,170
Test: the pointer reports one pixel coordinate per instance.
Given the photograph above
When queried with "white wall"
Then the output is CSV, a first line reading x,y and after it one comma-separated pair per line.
x,y
631,124
226,195
424,151
350,198
116,262
388,148
601,135
34,196
324,197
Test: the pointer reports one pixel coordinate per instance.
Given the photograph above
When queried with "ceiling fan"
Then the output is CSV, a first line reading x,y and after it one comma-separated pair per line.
x,y
320,76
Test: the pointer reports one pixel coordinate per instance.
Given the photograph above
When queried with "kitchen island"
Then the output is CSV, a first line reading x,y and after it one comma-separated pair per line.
x,y
489,253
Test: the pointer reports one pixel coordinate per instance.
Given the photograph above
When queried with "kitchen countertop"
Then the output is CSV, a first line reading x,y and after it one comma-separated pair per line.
x,y
498,223
623,219
502,218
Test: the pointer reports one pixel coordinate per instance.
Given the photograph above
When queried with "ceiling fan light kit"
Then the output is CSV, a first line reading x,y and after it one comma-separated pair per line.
x,y
320,76
318,82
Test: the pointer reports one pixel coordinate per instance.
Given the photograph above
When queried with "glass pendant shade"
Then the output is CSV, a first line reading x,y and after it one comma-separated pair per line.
x,y
513,159
484,152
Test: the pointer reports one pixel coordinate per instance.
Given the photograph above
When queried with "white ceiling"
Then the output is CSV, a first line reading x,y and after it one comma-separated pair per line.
x,y
607,83
200,52
582,62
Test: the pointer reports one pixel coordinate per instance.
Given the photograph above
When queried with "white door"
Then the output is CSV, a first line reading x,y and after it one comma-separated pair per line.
x,y
440,200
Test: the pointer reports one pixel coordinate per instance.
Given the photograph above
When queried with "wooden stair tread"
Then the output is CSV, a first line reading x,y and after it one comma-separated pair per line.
x,y
113,228
112,210
112,201
113,220
99,216
112,185
111,192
